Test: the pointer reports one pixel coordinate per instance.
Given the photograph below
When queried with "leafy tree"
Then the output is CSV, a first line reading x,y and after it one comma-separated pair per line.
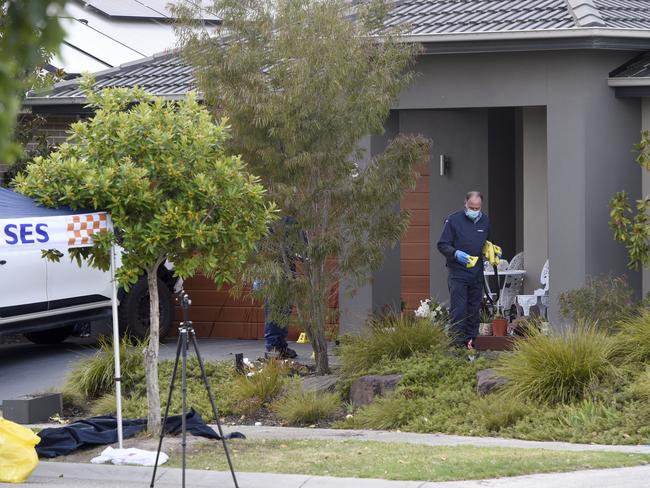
x,y
29,33
631,226
303,81
159,168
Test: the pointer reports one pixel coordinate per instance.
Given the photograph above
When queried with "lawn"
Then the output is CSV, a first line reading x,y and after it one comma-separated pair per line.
x,y
396,461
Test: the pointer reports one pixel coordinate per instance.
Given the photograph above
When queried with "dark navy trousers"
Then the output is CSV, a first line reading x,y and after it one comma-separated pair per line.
x,y
465,294
275,335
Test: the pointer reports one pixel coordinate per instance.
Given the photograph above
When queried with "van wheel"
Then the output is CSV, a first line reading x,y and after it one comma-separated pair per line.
x,y
134,310
51,336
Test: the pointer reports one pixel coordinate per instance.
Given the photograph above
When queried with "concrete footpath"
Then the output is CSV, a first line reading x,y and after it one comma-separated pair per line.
x,y
288,433
107,476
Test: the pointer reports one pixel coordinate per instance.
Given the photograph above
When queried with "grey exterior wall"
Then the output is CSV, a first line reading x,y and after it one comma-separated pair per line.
x,y
590,133
461,135
645,181
535,195
386,280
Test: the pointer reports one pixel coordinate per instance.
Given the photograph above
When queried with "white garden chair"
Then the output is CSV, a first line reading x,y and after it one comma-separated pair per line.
x,y
539,297
513,283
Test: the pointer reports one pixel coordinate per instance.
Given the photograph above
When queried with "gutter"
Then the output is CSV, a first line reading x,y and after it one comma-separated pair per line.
x,y
37,101
534,34
640,81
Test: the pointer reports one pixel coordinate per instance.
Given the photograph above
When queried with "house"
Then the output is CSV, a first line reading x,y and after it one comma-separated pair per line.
x,y
536,103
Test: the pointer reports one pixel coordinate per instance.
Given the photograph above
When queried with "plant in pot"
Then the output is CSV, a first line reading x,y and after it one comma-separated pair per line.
x,y
499,324
485,327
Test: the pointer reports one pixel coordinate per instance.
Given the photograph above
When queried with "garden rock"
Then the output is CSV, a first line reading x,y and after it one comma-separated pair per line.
x,y
488,380
325,383
365,389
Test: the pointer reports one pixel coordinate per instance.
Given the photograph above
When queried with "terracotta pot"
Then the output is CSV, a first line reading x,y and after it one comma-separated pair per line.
x,y
499,327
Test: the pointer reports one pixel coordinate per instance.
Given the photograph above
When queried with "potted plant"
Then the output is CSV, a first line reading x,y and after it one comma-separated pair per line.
x,y
485,327
499,324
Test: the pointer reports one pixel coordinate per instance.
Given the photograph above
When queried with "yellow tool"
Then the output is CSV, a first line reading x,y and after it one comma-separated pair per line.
x,y
472,261
303,339
492,253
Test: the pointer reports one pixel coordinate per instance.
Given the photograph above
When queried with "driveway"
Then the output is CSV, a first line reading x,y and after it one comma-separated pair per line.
x,y
28,368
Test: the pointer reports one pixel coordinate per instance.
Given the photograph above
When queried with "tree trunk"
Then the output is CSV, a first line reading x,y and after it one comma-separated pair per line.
x,y
317,323
151,355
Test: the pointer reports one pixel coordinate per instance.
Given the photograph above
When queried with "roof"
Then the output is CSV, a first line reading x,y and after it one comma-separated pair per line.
x,y
144,9
162,75
102,34
452,16
466,16
14,205
480,22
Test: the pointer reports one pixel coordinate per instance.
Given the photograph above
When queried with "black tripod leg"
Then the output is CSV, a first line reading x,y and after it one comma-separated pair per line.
x,y
215,412
184,403
169,401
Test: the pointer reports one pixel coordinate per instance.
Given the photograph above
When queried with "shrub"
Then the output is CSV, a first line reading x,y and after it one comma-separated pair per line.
x,y
633,339
94,376
500,411
391,412
558,368
640,388
256,388
603,301
299,407
90,385
391,337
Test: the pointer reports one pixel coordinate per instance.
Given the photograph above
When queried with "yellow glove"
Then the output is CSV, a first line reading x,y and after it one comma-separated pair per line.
x,y
472,261
492,253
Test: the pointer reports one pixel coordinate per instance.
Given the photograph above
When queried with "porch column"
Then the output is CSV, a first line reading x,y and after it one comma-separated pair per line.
x,y
590,136
567,186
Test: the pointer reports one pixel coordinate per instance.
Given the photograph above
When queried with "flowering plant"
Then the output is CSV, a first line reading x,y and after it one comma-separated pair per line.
x,y
432,310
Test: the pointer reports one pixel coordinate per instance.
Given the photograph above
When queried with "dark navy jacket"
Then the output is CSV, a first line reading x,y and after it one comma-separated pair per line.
x,y
462,233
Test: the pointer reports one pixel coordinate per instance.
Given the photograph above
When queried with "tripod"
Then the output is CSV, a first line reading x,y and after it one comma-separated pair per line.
x,y
186,333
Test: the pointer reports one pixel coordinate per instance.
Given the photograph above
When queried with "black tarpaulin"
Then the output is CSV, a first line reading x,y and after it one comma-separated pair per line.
x,y
98,431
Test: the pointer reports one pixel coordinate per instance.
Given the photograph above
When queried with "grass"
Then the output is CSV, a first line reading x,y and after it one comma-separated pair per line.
x,y
559,369
632,340
93,376
398,461
89,386
259,387
501,411
391,337
300,407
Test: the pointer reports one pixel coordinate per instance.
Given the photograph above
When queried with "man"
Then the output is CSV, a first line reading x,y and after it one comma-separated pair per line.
x,y
276,332
462,240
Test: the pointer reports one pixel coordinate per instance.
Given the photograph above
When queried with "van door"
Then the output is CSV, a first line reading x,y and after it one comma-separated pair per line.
x,y
69,284
22,282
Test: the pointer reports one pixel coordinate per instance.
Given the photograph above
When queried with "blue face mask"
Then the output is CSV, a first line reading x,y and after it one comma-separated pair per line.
x,y
472,214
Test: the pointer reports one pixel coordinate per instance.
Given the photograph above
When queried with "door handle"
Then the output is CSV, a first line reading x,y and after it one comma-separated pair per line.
x,y
2,261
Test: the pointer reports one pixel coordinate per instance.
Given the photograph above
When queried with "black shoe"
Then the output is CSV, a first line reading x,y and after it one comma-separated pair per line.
x,y
283,352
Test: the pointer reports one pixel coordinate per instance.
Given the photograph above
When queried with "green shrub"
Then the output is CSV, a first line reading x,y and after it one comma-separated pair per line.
x,y
94,376
639,389
90,385
633,339
253,390
499,411
588,416
603,301
300,407
391,337
559,368
390,412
